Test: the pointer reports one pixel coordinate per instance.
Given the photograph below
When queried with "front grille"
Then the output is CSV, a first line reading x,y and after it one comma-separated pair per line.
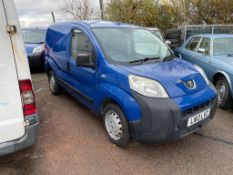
x,y
197,108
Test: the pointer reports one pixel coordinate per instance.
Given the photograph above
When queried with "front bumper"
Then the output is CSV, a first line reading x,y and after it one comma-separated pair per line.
x,y
29,138
163,121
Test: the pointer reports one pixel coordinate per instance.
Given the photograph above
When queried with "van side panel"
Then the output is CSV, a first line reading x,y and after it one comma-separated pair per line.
x,y
57,38
11,113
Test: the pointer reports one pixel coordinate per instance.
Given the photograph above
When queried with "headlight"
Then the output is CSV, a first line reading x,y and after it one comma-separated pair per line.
x,y
202,72
147,87
38,49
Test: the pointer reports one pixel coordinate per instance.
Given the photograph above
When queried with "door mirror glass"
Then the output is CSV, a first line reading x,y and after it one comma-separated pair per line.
x,y
84,60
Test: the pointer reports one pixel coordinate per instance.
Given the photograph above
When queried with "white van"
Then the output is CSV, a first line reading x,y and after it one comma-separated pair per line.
x,y
18,117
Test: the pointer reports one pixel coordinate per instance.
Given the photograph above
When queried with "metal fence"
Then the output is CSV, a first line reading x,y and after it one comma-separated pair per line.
x,y
190,30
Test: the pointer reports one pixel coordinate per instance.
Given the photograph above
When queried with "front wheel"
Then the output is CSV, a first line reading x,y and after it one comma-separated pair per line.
x,y
116,125
224,93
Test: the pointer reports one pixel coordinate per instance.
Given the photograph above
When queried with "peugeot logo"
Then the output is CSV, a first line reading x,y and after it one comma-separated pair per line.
x,y
190,84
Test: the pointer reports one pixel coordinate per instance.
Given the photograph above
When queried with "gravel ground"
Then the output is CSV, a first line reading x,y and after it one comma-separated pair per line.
x,y
72,141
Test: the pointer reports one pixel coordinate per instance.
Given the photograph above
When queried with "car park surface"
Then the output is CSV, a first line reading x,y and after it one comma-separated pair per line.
x,y
72,141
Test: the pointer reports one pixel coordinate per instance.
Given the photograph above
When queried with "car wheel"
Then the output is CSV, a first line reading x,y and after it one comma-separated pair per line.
x,y
36,64
54,86
116,125
224,93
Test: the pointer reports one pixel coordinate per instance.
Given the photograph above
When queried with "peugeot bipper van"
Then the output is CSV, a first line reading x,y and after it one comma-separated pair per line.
x,y
131,78
18,118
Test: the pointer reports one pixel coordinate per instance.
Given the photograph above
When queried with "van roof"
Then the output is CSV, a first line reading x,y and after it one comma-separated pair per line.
x,y
96,23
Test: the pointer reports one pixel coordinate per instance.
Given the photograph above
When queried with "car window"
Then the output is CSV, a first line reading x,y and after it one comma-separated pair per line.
x,y
81,44
192,45
34,36
223,46
205,44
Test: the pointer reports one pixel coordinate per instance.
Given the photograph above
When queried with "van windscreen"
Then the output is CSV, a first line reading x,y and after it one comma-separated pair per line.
x,y
125,45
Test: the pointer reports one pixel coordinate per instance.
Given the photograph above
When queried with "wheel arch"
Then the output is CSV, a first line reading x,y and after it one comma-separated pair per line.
x,y
222,74
107,101
113,94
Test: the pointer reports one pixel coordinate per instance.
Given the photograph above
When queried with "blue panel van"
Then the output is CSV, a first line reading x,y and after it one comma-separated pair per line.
x,y
131,78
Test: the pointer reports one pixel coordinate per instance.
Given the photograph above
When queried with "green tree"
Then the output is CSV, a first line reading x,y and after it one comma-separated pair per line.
x,y
149,13
166,14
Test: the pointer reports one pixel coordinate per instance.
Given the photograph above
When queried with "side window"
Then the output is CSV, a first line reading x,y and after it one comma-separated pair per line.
x,y
205,45
81,44
192,45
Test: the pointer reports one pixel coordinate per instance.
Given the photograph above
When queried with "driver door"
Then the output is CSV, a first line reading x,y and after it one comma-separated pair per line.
x,y
83,78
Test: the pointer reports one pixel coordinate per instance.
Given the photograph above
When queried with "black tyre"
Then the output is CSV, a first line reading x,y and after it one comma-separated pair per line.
x,y
42,62
54,86
172,36
224,93
37,63
116,125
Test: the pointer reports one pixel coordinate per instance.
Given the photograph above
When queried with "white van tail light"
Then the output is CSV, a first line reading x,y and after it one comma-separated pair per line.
x,y
28,97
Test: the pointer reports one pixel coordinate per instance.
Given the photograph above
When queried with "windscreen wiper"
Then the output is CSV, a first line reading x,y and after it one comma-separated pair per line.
x,y
144,60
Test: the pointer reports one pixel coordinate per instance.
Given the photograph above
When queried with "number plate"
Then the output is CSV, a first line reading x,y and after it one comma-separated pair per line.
x,y
199,117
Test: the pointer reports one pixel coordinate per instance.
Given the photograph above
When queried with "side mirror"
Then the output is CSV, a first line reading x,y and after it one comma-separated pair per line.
x,y
201,50
168,42
84,60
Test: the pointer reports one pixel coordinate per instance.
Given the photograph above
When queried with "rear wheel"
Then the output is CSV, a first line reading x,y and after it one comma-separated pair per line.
x,y
55,88
116,125
224,93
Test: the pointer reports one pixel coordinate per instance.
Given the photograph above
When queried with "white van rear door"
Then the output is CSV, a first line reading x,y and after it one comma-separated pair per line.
x,y
11,112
